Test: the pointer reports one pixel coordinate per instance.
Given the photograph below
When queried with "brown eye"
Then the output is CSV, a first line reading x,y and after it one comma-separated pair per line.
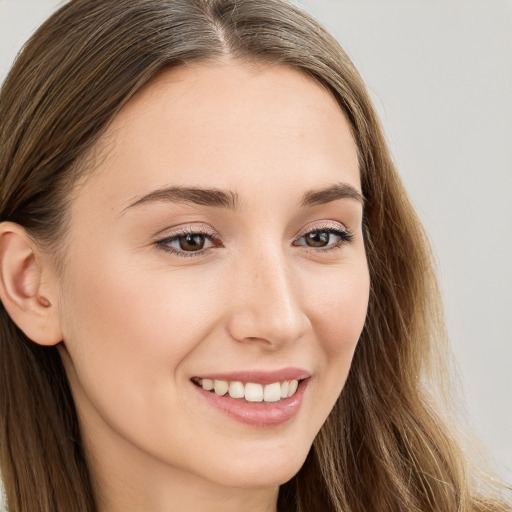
x,y
317,238
192,242
189,244
325,239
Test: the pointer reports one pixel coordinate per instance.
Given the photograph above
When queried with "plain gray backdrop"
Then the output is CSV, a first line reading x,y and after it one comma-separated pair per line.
x,y
440,73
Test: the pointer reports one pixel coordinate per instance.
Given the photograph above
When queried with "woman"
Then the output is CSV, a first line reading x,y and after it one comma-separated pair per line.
x,y
215,293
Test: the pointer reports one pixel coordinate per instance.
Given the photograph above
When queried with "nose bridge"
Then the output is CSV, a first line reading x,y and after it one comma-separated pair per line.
x,y
266,299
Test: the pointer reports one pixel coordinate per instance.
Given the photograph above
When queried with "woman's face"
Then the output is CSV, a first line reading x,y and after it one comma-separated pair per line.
x,y
218,238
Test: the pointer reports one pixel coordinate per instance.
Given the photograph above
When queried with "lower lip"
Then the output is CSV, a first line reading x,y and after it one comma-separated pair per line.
x,y
257,414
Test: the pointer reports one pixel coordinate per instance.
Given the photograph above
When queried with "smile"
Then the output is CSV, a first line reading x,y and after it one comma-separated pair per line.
x,y
257,398
251,391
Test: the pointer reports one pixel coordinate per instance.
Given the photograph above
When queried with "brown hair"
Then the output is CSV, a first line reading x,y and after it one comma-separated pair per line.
x,y
383,447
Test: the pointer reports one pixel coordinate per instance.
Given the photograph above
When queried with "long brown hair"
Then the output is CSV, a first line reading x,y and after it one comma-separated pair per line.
x,y
383,447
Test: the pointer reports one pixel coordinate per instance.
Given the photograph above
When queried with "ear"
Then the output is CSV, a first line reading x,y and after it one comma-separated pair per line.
x,y
27,286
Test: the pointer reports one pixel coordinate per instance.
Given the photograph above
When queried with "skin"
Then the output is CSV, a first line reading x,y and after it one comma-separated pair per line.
x,y
138,322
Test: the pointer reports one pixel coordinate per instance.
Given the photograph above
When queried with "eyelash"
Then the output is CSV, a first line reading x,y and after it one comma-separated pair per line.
x,y
344,234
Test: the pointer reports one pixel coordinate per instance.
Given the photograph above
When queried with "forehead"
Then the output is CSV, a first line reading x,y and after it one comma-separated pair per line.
x,y
227,125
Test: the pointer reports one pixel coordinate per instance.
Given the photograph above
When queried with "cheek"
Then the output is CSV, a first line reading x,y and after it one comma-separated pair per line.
x,y
340,309
133,315
127,329
128,340
339,320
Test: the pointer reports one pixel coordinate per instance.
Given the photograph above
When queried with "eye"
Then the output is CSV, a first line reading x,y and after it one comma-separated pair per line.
x,y
192,242
189,242
325,238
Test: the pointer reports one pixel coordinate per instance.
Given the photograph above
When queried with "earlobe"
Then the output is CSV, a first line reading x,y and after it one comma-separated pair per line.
x,y
26,290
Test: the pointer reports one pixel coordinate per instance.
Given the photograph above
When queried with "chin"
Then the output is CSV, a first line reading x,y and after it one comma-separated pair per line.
x,y
260,471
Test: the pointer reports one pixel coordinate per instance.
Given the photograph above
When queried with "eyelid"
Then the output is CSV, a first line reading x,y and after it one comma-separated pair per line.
x,y
206,231
346,237
324,225
212,235
189,229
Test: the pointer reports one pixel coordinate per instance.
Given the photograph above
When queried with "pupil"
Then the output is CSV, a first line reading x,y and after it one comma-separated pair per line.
x,y
191,242
318,238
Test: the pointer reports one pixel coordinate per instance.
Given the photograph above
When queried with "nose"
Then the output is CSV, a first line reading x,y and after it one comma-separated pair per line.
x,y
266,302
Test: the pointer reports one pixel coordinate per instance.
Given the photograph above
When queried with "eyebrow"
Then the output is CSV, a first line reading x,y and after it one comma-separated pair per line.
x,y
231,200
331,193
195,195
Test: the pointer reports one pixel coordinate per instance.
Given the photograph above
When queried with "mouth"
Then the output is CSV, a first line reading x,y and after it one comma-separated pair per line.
x,y
250,391
258,399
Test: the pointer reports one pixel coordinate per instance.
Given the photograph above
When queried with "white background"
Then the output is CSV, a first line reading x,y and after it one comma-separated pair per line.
x,y
440,73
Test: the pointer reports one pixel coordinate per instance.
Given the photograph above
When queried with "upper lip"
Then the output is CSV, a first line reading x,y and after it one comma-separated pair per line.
x,y
259,376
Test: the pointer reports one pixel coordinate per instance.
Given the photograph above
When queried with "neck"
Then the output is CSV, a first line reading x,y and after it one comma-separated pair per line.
x,y
184,495
130,480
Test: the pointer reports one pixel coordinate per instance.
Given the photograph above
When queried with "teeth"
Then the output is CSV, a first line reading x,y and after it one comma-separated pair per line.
x,y
236,390
220,387
252,392
207,384
293,387
284,389
272,392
